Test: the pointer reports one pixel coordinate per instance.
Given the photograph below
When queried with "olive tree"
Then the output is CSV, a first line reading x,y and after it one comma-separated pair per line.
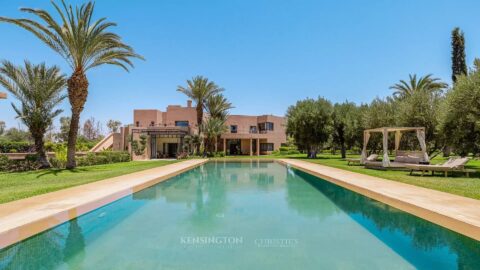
x,y
347,128
460,121
309,122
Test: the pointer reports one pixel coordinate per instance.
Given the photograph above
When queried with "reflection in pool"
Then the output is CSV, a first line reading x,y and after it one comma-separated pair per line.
x,y
245,215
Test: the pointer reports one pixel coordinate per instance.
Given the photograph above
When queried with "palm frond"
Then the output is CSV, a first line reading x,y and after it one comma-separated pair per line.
x,y
38,88
83,42
428,84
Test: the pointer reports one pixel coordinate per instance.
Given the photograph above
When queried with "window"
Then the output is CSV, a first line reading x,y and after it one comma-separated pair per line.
x,y
233,129
253,129
137,124
265,126
152,123
181,123
264,147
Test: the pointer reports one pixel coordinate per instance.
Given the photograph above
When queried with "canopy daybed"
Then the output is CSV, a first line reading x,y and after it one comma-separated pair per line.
x,y
402,157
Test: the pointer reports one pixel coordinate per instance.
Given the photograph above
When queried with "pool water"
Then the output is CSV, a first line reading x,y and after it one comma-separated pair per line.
x,y
245,215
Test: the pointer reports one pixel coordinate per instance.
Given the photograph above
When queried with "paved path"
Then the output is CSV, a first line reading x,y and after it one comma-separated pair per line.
x,y
27,217
454,212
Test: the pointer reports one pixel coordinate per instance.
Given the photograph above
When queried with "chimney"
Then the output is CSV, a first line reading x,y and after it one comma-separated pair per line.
x,y
189,103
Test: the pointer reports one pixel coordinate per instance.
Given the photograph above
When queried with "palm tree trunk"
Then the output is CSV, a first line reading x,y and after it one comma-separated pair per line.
x,y
77,95
199,116
199,122
40,148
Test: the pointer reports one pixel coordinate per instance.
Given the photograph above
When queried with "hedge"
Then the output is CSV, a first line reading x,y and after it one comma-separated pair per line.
x,y
105,157
28,164
15,147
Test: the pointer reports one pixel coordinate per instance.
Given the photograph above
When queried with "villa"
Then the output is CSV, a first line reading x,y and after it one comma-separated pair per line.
x,y
166,130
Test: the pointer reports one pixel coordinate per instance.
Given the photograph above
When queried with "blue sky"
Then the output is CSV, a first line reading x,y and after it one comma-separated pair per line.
x,y
266,54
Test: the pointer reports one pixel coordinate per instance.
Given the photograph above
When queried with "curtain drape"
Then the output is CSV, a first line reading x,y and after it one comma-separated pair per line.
x,y
398,136
423,145
366,137
386,159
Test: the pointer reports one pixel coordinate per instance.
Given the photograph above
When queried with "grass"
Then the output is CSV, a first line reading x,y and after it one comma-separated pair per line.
x,y
455,183
14,186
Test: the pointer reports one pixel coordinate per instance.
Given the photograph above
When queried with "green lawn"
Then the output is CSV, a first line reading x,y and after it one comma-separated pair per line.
x,y
14,186
456,184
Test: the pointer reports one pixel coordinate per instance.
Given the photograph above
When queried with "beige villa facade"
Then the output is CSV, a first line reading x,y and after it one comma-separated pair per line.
x,y
165,132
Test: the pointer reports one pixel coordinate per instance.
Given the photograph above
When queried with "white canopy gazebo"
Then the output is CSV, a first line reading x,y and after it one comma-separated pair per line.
x,y
420,131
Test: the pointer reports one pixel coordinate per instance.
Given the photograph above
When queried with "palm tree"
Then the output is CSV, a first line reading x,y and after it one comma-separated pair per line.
x,y
84,44
218,106
200,89
405,89
39,90
213,128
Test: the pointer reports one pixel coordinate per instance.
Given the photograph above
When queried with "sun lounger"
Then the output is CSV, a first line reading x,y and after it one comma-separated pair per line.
x,y
451,165
372,157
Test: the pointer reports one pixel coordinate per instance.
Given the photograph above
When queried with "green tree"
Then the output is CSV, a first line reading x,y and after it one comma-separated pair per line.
x,y
309,122
85,44
404,89
347,128
2,127
213,128
113,125
17,135
459,64
200,89
379,113
62,135
460,122
138,147
39,90
422,110
218,106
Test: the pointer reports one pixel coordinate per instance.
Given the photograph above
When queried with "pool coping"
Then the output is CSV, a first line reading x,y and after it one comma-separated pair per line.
x,y
27,217
454,212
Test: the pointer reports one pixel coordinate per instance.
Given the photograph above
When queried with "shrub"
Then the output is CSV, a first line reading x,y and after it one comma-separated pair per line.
x,y
183,155
56,163
27,164
220,154
286,150
15,147
105,157
60,159
3,163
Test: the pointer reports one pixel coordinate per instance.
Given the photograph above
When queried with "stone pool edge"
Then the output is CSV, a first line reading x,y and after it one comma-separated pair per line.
x,y
27,217
457,213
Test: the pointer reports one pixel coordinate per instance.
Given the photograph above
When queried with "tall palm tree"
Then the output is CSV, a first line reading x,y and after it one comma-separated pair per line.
x,y
218,106
199,89
84,44
213,128
405,89
39,90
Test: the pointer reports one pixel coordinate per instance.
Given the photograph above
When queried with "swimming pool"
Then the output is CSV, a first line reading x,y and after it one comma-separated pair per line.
x,y
245,215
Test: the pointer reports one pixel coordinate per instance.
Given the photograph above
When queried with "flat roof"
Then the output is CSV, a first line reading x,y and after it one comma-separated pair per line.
x,y
390,129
